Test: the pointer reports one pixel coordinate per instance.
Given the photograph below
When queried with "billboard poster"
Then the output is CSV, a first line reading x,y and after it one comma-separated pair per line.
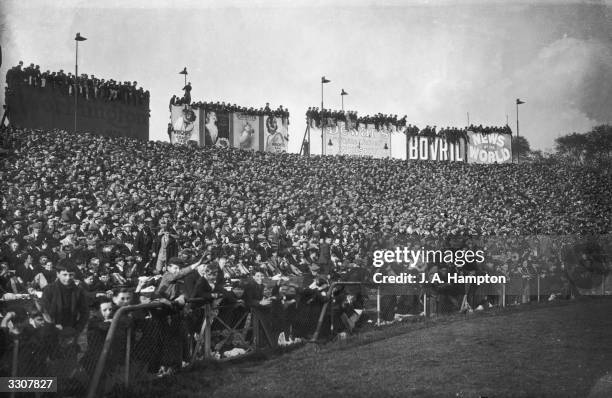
x,y
217,128
489,148
357,140
185,124
246,131
276,134
435,148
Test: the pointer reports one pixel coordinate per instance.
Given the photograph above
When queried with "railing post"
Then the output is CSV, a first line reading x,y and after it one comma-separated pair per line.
x,y
425,303
128,347
255,322
207,330
15,365
378,305
538,287
503,295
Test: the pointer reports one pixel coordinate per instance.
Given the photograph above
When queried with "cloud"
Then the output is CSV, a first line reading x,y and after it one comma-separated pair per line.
x,y
567,86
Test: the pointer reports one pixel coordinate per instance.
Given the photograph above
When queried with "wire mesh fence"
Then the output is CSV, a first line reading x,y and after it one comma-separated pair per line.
x,y
147,341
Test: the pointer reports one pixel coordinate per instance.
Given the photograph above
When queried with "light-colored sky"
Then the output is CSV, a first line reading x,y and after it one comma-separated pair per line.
x,y
433,61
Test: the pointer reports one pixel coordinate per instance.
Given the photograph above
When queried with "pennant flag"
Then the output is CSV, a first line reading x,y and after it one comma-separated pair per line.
x,y
78,37
183,72
324,80
518,101
343,92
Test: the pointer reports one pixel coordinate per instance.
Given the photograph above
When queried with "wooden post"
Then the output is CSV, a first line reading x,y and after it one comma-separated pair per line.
x,y
128,346
207,321
378,306
15,366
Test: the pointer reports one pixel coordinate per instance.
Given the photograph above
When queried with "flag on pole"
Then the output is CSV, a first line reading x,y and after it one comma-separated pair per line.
x,y
324,80
183,72
343,92
518,101
78,37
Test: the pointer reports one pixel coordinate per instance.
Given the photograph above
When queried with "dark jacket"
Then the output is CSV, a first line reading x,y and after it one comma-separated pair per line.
x,y
196,286
53,305
171,248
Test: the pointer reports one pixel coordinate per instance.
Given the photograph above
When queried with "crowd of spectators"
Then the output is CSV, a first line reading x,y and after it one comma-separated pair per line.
x,y
227,107
88,87
327,116
351,118
88,220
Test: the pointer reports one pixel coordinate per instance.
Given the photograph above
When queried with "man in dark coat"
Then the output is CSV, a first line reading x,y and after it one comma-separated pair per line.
x,y
64,303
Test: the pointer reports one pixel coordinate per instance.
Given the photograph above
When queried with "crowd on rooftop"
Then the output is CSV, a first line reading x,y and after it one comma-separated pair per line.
x,y
88,87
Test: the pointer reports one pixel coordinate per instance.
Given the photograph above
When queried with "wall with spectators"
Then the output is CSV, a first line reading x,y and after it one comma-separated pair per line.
x,y
46,101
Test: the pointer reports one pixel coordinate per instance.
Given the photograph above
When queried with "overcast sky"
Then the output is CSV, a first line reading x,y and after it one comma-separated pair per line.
x,y
433,61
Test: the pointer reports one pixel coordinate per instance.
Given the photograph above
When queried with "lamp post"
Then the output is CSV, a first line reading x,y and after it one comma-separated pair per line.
x,y
518,152
323,81
77,39
342,94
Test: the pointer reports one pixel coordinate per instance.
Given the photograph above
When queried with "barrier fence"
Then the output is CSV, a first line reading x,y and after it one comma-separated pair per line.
x,y
149,340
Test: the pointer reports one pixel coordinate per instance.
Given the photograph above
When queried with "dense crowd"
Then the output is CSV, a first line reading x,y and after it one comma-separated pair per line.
x,y
331,117
102,222
227,107
327,116
88,87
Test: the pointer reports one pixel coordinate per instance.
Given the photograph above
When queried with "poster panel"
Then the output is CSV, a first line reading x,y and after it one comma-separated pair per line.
x,y
185,124
246,131
217,128
276,134
489,148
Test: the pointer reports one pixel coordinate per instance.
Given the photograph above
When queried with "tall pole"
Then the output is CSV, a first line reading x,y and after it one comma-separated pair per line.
x,y
76,76
308,128
468,119
323,81
322,121
518,152
77,39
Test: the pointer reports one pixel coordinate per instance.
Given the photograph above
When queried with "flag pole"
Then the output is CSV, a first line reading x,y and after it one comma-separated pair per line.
x,y
323,81
518,153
